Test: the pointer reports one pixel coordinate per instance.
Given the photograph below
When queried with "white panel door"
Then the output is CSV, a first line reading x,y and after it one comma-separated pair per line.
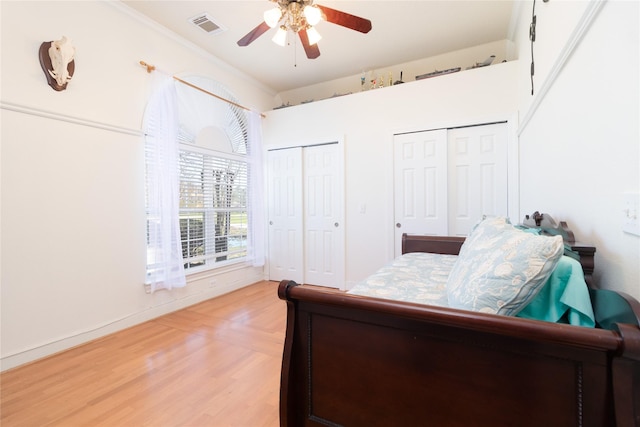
x,y
477,175
420,184
323,216
285,215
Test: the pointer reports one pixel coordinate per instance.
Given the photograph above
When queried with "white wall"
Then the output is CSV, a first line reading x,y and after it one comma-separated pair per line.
x,y
580,150
366,122
72,212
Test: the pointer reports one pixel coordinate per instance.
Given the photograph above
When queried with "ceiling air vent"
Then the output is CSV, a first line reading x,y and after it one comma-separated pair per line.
x,y
205,22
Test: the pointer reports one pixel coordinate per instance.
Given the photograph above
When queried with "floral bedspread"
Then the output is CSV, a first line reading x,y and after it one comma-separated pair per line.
x,y
414,277
422,278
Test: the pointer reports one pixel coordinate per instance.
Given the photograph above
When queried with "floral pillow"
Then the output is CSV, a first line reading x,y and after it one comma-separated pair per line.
x,y
500,268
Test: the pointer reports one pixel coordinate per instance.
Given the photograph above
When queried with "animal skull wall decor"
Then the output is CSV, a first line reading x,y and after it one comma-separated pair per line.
x,y
57,62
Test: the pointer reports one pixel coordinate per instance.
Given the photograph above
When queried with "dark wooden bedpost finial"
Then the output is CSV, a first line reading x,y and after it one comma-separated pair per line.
x,y
283,288
537,217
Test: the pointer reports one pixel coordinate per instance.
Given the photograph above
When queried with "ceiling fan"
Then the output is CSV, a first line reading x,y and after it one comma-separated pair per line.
x,y
300,16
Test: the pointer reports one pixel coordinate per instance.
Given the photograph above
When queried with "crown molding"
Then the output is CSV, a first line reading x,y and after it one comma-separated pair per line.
x,y
145,20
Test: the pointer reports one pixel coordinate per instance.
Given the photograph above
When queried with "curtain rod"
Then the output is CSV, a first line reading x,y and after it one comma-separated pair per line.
x,y
151,68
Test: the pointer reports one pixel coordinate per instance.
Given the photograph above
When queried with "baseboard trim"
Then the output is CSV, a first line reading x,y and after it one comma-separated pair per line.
x,y
51,349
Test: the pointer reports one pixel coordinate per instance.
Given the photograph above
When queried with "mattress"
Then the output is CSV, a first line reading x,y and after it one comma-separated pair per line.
x,y
422,278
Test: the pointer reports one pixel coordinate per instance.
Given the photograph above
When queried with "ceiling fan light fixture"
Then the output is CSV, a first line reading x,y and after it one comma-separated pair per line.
x,y
312,14
299,17
281,36
314,35
272,16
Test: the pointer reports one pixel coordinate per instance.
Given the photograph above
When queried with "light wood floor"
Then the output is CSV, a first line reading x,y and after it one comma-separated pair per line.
x,y
213,364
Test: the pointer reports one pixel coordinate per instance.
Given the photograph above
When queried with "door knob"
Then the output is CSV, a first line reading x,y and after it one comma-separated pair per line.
x,y
398,225
335,224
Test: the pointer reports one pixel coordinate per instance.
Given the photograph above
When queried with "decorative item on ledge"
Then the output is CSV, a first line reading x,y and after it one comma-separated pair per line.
x,y
282,106
484,63
438,73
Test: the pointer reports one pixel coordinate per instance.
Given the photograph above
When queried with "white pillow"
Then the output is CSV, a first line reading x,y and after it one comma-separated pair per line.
x,y
500,269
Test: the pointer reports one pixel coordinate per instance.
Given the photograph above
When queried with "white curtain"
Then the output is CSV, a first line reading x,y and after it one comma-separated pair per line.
x,y
256,237
165,269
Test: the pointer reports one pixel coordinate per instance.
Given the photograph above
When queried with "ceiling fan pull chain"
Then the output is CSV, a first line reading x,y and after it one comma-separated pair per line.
x,y
295,52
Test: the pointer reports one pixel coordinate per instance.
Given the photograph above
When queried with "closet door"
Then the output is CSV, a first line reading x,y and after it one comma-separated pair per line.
x,y
306,215
323,216
477,175
446,179
285,215
420,184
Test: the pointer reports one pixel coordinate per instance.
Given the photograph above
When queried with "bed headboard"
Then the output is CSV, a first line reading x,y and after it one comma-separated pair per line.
x,y
582,252
549,226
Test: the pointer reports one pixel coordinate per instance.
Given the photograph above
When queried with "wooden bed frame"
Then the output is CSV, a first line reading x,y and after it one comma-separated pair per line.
x,y
359,361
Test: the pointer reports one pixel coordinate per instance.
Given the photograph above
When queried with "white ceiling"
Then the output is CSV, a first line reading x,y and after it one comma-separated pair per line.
x,y
402,31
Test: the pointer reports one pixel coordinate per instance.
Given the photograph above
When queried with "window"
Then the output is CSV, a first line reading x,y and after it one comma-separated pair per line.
x,y
213,208
213,181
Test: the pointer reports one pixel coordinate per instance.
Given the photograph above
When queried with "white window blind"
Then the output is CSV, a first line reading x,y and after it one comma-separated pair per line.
x,y
213,207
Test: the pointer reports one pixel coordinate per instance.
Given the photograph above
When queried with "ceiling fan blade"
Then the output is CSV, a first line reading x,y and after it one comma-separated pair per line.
x,y
254,34
346,19
312,51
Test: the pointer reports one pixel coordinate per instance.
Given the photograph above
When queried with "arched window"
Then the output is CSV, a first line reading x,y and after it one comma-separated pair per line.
x,y
213,175
213,179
